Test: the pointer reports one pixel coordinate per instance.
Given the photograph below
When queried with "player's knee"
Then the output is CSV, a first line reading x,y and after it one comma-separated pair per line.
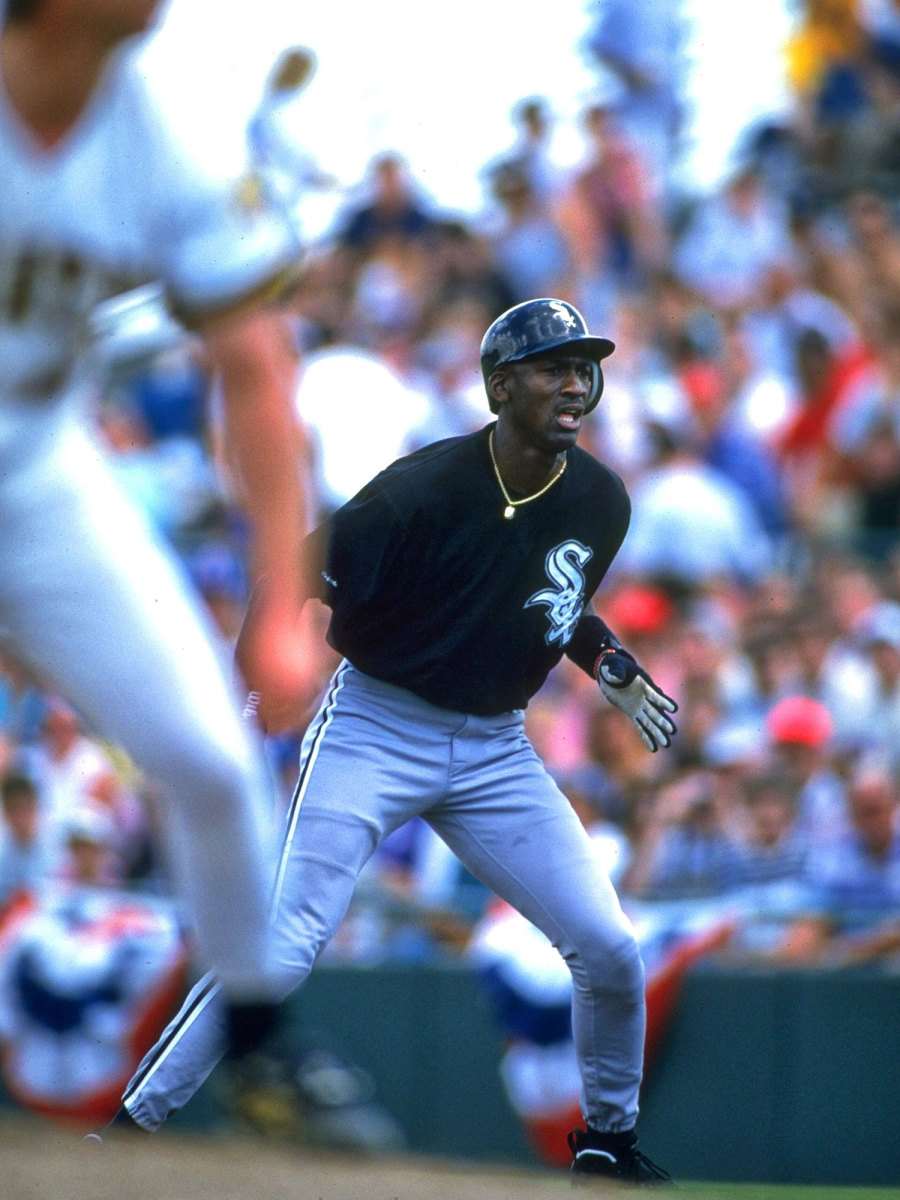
x,y
625,967
610,964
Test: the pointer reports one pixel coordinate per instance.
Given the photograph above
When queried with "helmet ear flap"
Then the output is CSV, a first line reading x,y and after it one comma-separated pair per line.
x,y
596,387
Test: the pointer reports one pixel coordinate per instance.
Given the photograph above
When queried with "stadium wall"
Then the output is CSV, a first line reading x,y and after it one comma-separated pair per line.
x,y
764,1077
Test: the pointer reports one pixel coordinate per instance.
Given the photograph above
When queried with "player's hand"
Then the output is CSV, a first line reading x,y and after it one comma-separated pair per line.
x,y
276,654
628,686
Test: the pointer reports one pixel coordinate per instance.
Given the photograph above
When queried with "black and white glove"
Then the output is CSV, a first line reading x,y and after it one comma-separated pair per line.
x,y
630,688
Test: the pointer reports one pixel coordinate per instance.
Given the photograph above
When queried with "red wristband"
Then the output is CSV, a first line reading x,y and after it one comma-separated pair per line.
x,y
603,653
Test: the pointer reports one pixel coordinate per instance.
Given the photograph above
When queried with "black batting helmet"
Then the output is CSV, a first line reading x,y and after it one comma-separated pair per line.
x,y
536,326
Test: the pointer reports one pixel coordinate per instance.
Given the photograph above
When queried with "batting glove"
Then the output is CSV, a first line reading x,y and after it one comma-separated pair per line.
x,y
630,688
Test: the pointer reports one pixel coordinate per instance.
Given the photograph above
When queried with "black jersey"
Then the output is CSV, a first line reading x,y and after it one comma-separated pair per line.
x,y
432,589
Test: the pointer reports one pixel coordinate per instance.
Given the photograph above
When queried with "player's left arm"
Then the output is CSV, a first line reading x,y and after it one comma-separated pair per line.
x,y
264,445
623,681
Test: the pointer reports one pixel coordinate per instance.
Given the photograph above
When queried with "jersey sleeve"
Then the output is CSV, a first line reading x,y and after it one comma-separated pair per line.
x,y
356,549
217,243
228,253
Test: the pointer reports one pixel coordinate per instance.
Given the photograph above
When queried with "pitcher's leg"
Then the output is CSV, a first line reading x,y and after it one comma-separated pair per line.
x,y
98,607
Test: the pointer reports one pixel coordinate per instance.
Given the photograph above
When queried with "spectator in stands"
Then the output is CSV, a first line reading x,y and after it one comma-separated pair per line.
x,y
531,151
733,239
449,358
690,523
640,384
873,397
686,850
800,732
865,432
764,671
638,46
219,573
381,256
68,764
392,212
824,61
753,353
768,874
463,270
860,263
831,669
375,402
816,485
609,211
170,391
707,659
609,749
28,849
854,914
789,300
868,148
880,641
529,247
847,586
89,855
725,443
171,479
72,769
22,704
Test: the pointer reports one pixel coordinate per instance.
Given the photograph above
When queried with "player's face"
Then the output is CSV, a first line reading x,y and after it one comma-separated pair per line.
x,y
545,399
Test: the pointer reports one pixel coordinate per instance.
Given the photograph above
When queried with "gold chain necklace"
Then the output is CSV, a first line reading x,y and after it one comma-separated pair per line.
x,y
511,505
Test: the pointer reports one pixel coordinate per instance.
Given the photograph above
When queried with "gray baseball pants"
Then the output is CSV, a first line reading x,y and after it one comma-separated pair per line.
x,y
374,757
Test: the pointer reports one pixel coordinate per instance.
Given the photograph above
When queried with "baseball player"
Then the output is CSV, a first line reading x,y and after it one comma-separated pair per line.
x,y
98,198
456,579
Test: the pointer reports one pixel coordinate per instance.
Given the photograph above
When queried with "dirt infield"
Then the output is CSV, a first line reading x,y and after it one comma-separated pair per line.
x,y
42,1162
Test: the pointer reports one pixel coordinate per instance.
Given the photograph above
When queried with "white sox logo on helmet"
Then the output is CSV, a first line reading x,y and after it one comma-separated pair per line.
x,y
565,599
563,313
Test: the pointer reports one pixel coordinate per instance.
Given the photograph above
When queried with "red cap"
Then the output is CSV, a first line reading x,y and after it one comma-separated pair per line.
x,y
703,384
639,609
800,721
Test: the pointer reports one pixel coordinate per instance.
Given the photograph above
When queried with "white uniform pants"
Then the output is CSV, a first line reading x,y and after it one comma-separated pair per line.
x,y
95,604
375,757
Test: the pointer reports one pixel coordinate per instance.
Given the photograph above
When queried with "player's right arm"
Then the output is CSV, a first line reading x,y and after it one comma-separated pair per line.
x,y
264,445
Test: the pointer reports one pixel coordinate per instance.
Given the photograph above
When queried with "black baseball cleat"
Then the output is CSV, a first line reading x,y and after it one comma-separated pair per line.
x,y
600,1156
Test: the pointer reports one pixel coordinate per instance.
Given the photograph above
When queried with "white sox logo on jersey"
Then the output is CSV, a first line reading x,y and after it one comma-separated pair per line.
x,y
565,600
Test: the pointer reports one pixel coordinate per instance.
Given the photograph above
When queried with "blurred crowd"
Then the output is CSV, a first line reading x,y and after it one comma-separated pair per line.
x,y
752,406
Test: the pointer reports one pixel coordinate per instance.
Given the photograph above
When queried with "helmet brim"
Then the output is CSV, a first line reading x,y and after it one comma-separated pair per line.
x,y
595,348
